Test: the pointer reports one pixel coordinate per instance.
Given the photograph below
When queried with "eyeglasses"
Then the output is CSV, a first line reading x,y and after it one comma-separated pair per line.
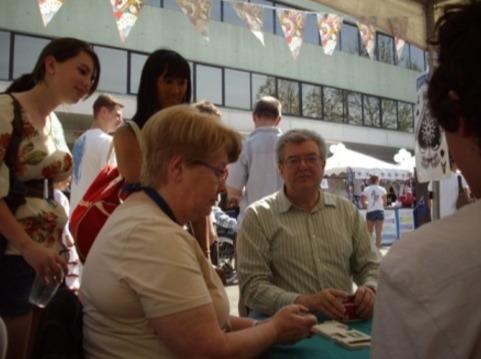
x,y
311,160
220,173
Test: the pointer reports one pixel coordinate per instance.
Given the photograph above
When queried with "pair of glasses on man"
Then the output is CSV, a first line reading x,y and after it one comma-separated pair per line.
x,y
220,173
295,161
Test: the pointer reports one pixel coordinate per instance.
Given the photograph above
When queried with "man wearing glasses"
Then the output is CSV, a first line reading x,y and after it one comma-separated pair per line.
x,y
302,245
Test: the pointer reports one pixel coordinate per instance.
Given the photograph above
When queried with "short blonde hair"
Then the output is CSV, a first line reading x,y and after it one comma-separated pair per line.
x,y
183,130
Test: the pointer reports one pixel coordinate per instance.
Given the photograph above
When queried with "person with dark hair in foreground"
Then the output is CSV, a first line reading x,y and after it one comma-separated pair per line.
x,y
428,295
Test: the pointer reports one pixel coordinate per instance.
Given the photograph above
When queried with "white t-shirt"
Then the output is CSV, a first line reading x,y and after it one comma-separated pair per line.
x,y
448,193
427,303
90,153
374,194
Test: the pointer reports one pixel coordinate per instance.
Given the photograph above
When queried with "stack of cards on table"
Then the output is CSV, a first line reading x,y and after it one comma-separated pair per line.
x,y
341,334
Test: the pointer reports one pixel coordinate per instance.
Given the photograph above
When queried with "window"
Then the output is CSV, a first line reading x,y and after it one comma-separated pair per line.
x,y
262,86
349,39
406,116
5,55
389,114
417,59
354,108
171,4
208,82
311,31
237,85
25,53
333,101
404,60
385,48
152,2
137,62
288,92
215,10
311,101
372,114
113,64
230,16
268,15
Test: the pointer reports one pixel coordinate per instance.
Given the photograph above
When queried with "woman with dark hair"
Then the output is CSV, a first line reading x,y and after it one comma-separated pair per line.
x,y
165,81
427,303
33,155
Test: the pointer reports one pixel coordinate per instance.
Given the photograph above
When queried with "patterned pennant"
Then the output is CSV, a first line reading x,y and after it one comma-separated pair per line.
x,y
329,27
198,12
252,15
292,23
48,8
399,27
126,13
368,35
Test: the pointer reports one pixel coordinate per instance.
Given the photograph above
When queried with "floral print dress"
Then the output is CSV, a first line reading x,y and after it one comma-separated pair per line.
x,y
40,156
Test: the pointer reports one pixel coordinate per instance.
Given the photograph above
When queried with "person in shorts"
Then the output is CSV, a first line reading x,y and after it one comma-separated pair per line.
x,y
374,198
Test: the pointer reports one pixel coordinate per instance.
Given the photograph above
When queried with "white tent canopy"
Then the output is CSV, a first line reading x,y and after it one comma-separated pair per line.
x,y
362,165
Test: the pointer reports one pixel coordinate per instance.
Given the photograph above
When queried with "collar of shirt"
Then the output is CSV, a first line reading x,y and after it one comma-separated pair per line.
x,y
325,200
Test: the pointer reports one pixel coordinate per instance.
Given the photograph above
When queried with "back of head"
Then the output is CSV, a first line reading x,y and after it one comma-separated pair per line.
x,y
208,108
61,50
268,107
105,100
455,87
183,130
298,136
161,62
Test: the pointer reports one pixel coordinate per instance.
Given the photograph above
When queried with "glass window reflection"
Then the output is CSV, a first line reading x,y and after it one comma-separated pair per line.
x,y
237,85
5,55
25,54
372,113
333,101
385,48
406,116
311,101
137,62
208,81
113,64
288,92
354,108
389,114
262,86
349,39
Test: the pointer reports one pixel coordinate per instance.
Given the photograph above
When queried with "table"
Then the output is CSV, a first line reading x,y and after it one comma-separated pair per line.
x,y
320,347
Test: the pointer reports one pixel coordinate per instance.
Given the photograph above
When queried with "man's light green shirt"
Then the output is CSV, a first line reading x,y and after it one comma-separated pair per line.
x,y
284,251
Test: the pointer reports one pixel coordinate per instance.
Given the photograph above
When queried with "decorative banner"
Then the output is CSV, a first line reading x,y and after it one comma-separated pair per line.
x,y
252,15
292,23
198,12
399,27
368,35
126,13
48,8
432,155
329,27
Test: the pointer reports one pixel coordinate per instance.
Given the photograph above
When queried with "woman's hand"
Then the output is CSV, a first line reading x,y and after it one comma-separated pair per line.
x,y
293,323
50,266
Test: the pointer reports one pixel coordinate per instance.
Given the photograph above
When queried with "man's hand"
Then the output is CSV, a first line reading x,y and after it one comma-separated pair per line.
x,y
327,301
364,299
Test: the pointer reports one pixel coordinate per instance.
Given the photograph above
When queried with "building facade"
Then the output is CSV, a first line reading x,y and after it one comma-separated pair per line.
x,y
347,97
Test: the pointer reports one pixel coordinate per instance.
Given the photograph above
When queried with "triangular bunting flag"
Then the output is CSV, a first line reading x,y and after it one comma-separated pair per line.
x,y
198,12
368,34
399,27
48,8
252,15
329,27
292,23
126,13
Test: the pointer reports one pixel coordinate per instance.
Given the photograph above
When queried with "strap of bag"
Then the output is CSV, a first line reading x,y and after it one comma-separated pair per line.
x,y
137,133
460,186
160,201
